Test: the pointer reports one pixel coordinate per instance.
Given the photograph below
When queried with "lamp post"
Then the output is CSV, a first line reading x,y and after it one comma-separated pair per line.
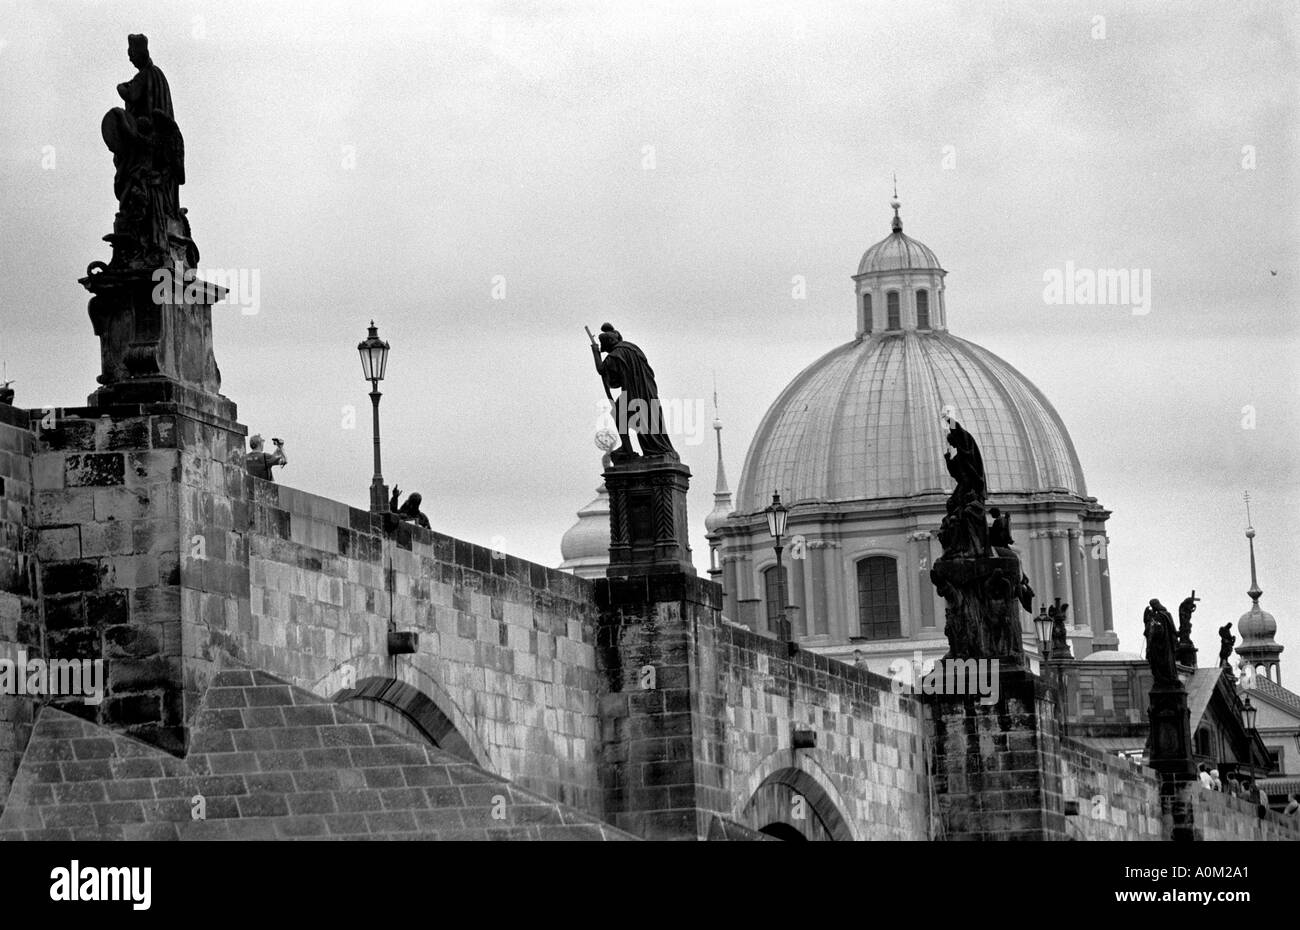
x,y
374,364
776,516
1249,713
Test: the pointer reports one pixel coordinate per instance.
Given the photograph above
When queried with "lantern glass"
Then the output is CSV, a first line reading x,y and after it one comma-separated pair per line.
x,y
1043,623
1248,714
776,516
374,355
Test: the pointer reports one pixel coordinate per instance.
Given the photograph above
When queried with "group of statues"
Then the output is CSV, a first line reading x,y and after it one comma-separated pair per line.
x,y
1164,644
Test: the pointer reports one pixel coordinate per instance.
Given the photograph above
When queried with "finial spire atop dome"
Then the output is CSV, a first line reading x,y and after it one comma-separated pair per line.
x,y
1254,591
898,223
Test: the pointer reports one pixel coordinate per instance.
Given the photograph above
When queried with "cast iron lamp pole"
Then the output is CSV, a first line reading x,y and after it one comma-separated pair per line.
x,y
374,365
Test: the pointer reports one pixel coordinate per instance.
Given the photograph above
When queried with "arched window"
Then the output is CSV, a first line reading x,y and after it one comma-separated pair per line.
x,y
773,595
922,309
1203,747
891,311
866,313
878,614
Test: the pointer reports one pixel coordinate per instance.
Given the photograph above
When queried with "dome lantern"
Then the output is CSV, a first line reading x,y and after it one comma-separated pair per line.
x,y
899,285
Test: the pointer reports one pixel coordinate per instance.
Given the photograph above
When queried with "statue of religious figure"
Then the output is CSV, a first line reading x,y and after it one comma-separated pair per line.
x,y
1185,611
1060,644
1161,637
964,529
1226,642
637,408
149,155
1000,529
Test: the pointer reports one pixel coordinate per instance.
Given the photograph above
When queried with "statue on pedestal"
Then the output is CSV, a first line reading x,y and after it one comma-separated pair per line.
x,y
637,408
1186,650
979,575
1226,642
1162,638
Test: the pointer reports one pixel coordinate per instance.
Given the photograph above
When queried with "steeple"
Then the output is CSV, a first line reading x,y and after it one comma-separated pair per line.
x,y
1258,648
722,506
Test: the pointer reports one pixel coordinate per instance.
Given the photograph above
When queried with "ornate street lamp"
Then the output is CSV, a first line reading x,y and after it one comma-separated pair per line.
x,y
374,364
1248,714
776,516
1043,626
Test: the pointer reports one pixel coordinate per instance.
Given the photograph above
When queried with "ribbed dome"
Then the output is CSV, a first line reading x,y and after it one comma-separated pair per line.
x,y
862,422
897,252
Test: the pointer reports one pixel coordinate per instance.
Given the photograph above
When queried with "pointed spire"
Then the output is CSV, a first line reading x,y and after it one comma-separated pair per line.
x,y
898,223
722,506
1254,591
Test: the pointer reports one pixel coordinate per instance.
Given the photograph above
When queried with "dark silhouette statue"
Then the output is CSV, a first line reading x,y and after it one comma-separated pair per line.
x,y
1226,642
149,155
637,408
410,509
965,527
979,575
1162,639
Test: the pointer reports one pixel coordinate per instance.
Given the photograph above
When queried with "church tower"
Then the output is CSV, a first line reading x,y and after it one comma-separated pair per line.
x,y
1258,648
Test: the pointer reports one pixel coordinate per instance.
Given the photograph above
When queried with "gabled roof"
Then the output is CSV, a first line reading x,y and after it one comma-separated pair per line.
x,y
1275,694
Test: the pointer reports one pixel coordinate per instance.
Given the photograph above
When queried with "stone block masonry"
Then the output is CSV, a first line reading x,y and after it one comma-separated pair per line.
x,y
699,717
19,614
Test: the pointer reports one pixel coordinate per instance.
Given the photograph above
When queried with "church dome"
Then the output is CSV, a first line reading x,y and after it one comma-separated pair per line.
x,y
898,252
585,545
863,422
1256,625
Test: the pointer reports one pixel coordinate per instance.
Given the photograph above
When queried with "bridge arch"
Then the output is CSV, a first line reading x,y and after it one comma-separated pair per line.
x,y
410,711
781,790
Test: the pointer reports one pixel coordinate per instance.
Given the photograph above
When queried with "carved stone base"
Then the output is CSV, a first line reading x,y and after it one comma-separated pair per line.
x,y
648,533
983,606
1171,734
153,326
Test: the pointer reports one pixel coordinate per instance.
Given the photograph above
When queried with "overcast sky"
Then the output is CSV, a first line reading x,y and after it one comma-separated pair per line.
x,y
672,168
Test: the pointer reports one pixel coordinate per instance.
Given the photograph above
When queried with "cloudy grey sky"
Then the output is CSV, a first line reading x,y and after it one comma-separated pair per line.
x,y
672,167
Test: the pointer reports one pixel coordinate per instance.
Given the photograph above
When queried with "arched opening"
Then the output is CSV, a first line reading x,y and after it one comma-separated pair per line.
x,y
773,595
783,831
790,805
408,710
892,317
922,309
866,313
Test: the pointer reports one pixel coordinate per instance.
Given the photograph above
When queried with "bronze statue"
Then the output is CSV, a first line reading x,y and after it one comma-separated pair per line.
x,y
637,408
149,155
259,463
1161,637
1226,642
410,509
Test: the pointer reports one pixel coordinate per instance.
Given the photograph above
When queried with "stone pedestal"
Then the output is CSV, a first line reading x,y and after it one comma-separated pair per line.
x,y
1171,755
652,714
990,781
648,533
155,335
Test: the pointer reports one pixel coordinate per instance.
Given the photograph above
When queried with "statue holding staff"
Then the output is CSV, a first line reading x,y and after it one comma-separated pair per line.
x,y
637,407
